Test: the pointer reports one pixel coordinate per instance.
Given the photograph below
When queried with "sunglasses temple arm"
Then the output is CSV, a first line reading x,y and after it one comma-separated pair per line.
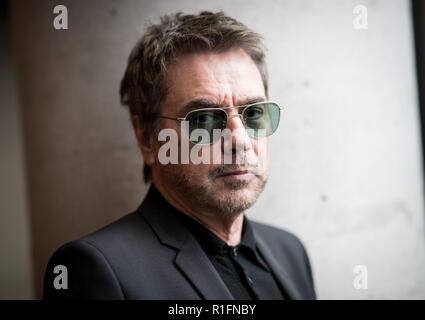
x,y
166,117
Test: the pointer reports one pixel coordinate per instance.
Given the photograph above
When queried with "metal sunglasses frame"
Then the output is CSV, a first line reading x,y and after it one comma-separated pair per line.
x,y
223,109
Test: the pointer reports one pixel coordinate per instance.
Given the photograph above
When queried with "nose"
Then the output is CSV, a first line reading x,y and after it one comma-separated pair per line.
x,y
239,141
236,115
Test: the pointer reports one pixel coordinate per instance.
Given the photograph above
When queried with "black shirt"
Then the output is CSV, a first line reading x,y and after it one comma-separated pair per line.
x,y
241,267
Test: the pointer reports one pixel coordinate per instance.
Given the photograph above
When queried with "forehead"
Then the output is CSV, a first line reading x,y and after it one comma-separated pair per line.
x,y
225,78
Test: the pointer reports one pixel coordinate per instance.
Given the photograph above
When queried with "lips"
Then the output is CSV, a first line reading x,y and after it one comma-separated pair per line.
x,y
234,173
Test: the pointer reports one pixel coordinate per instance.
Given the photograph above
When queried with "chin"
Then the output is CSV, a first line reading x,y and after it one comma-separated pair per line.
x,y
239,195
232,206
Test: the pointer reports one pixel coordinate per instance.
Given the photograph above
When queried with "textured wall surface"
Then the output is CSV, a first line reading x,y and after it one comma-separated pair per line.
x,y
15,252
346,162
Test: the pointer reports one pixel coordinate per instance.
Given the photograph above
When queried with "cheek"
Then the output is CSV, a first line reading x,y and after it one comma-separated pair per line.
x,y
197,160
195,174
261,149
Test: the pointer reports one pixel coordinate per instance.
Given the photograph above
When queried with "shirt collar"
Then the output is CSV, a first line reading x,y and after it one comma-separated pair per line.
x,y
209,242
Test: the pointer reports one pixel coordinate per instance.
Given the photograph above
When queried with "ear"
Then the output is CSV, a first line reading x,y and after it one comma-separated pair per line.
x,y
145,144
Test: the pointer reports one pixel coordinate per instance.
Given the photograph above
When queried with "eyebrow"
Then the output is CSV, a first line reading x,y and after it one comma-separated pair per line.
x,y
205,103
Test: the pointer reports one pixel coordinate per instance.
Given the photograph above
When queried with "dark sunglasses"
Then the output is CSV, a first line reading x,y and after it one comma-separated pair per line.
x,y
260,119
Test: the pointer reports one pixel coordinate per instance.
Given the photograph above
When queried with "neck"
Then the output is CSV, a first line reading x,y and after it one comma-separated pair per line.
x,y
229,230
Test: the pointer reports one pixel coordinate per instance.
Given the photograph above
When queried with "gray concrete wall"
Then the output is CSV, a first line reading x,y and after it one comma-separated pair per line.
x,y
346,162
16,269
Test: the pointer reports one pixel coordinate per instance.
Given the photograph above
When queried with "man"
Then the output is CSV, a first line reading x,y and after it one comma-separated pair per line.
x,y
190,239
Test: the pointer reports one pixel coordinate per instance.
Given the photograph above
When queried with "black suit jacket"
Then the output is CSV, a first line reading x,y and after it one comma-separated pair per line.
x,y
149,254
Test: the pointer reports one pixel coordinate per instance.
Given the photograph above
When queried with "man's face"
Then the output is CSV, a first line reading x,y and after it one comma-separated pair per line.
x,y
224,80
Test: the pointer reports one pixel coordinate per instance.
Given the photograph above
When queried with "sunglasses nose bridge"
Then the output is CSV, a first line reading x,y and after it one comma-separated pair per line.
x,y
233,116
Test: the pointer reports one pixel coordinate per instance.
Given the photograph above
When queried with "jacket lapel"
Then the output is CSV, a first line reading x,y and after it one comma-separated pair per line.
x,y
198,268
190,258
278,269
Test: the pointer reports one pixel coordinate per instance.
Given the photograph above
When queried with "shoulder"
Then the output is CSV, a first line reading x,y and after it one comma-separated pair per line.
x,y
129,231
75,269
120,237
91,261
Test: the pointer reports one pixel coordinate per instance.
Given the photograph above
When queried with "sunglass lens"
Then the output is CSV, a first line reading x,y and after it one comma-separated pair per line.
x,y
206,121
261,120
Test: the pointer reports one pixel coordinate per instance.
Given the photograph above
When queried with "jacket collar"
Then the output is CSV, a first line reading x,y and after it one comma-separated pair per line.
x,y
278,269
192,260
